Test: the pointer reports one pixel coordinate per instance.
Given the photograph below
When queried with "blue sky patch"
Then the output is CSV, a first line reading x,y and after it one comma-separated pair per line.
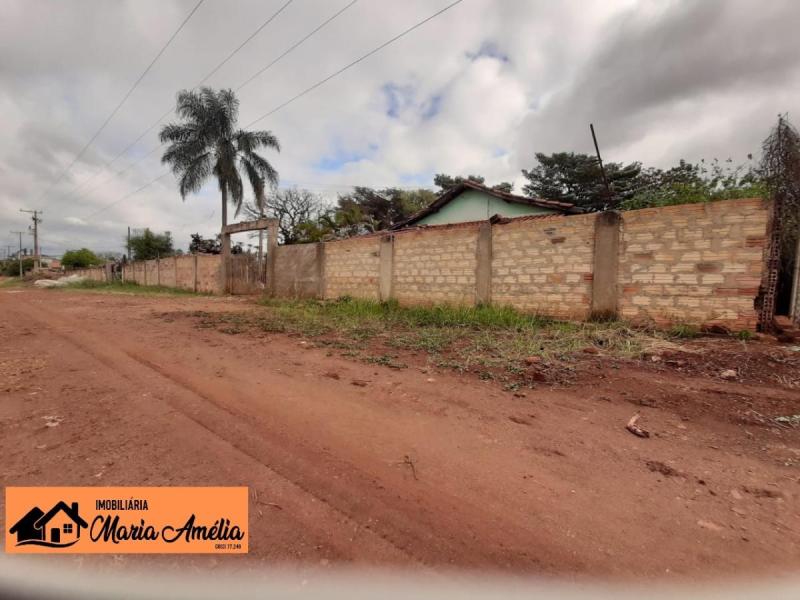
x,y
398,98
489,49
431,107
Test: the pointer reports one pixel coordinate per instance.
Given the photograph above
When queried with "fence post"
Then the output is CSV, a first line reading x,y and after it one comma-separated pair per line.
x,y
320,265
794,309
194,272
385,267
483,269
272,246
605,271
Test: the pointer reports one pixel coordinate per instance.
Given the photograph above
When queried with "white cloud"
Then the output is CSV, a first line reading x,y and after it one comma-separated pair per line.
x,y
477,90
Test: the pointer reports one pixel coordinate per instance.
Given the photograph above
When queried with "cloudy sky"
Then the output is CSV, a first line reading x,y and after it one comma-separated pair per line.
x,y
478,89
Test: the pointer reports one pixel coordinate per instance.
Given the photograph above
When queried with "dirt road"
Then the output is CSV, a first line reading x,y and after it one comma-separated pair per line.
x,y
362,464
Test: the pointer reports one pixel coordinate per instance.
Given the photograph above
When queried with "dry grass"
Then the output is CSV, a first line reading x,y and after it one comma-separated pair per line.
x,y
493,342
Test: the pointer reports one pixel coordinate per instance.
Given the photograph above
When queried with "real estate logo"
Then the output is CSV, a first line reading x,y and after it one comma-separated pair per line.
x,y
126,520
57,528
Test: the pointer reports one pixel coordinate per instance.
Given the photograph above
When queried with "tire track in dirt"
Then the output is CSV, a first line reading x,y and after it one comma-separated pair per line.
x,y
427,526
380,545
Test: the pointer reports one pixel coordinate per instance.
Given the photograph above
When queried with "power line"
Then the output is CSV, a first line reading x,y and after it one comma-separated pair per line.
x,y
295,45
352,64
126,196
155,124
304,92
124,99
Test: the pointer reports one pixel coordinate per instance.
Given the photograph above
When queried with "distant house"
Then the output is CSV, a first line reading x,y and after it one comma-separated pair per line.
x,y
469,201
51,262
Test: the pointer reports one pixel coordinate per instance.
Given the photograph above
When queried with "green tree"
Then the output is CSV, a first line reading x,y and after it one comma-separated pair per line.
x,y
207,142
10,267
80,259
577,178
148,245
445,181
689,183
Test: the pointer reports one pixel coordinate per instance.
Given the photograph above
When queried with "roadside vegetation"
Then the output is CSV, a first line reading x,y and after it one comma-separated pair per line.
x,y
497,343
7,282
126,287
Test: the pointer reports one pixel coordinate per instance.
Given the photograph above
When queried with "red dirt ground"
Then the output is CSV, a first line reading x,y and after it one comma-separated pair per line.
x,y
548,483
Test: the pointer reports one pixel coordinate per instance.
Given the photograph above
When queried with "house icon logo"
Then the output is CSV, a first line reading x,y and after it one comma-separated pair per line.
x,y
59,527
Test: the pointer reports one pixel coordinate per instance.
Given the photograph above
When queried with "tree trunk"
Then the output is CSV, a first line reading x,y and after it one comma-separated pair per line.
x,y
225,242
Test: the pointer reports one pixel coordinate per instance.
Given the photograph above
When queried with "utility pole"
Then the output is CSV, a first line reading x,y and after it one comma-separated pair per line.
x,y
20,250
600,160
36,220
129,243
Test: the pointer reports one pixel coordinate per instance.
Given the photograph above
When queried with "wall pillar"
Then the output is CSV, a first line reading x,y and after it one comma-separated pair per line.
x,y
272,247
158,271
794,309
483,267
385,267
194,273
605,291
320,268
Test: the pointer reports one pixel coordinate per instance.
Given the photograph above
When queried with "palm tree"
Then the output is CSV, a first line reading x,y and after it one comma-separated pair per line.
x,y
207,142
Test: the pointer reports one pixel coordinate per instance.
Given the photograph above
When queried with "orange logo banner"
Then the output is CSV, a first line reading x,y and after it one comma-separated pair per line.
x,y
121,520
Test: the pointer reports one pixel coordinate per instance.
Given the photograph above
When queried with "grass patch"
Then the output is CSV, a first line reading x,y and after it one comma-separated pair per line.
x,y
493,343
127,287
10,282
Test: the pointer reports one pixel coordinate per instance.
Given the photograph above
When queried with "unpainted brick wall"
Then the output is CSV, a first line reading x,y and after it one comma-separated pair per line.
x,y
167,268
177,272
208,273
697,263
435,265
152,272
296,271
544,265
351,268
184,272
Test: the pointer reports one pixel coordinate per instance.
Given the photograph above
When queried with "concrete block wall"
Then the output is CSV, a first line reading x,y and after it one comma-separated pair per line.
x,y
435,266
167,271
209,275
297,271
698,263
199,272
544,265
352,268
184,272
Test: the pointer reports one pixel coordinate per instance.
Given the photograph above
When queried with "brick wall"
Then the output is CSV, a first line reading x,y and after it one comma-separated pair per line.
x,y
296,273
167,271
178,272
435,266
208,273
698,263
544,265
351,268
184,272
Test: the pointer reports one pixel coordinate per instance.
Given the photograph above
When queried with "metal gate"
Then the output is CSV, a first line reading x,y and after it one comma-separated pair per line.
x,y
246,274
